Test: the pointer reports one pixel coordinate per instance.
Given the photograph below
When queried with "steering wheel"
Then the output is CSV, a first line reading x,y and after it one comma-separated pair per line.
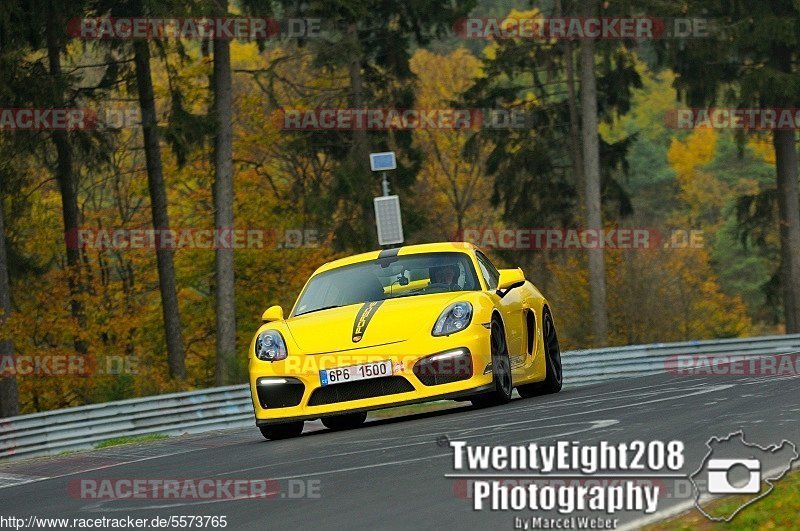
x,y
438,286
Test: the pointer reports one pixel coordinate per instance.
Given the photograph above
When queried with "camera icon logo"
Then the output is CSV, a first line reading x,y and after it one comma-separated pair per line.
x,y
720,481
733,465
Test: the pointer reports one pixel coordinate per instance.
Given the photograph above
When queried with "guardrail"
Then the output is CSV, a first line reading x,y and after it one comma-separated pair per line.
x,y
53,432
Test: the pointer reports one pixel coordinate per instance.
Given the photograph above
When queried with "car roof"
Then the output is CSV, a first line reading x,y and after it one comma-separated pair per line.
x,y
440,247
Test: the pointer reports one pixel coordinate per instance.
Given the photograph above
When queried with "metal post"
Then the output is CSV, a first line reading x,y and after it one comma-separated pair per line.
x,y
385,184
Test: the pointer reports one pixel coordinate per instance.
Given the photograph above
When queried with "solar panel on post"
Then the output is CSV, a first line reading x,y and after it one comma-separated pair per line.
x,y
387,217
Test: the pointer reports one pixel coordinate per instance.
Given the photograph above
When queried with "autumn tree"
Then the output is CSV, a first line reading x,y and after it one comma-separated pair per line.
x,y
40,26
372,43
537,168
750,61
155,170
9,398
654,295
452,186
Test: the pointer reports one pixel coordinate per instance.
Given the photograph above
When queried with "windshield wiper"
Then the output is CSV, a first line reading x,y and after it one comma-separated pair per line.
x,y
319,309
408,294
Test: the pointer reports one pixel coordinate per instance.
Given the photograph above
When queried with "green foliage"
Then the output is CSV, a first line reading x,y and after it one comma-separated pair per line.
x,y
534,172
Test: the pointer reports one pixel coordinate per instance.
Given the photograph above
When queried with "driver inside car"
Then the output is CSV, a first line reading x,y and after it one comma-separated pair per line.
x,y
447,274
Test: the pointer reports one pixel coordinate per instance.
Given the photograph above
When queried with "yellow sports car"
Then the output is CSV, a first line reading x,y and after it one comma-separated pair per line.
x,y
399,326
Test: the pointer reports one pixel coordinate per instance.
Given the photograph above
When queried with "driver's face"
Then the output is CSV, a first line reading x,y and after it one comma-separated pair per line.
x,y
446,276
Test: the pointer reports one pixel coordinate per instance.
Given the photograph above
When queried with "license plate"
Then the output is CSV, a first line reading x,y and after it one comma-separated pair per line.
x,y
353,373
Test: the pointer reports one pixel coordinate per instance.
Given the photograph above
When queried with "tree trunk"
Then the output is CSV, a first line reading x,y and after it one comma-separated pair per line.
x,y
574,127
574,119
789,218
223,204
359,151
9,397
360,146
158,203
591,170
67,187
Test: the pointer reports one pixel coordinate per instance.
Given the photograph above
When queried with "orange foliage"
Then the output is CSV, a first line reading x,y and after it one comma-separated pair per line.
x,y
653,295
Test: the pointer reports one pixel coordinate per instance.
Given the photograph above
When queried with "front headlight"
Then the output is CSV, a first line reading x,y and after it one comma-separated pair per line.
x,y
453,319
270,346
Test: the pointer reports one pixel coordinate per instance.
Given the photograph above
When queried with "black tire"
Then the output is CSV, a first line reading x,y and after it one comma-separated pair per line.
x,y
501,370
554,379
282,431
344,422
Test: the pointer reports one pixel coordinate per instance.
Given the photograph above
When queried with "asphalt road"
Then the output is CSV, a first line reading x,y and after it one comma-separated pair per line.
x,y
391,473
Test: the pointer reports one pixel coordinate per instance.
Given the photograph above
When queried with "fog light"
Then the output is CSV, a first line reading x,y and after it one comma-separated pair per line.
x,y
444,367
272,381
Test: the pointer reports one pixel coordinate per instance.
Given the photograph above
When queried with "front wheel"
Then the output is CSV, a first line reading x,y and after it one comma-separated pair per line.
x,y
501,370
282,431
344,422
553,380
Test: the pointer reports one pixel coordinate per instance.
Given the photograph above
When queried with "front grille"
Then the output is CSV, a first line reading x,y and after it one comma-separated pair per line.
x,y
387,385
281,395
433,371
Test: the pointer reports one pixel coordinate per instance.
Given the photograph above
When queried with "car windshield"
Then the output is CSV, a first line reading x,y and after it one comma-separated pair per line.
x,y
389,278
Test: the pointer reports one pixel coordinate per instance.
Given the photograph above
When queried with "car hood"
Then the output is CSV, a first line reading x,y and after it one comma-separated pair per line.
x,y
370,323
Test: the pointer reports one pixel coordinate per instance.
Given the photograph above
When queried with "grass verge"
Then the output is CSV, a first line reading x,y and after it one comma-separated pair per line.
x,y
780,509
130,440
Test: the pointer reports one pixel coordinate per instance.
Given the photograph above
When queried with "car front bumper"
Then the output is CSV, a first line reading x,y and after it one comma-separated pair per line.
x,y
436,368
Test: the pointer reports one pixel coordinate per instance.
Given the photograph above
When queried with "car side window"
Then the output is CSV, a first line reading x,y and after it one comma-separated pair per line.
x,y
490,273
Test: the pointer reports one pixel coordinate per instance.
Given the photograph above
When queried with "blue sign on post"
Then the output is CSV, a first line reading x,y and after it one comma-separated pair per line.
x,y
382,161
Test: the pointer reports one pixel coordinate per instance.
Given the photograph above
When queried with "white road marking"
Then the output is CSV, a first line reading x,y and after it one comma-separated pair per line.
x,y
103,467
11,480
706,390
599,424
100,506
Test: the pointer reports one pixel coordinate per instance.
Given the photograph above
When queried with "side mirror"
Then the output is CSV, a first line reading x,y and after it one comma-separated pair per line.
x,y
273,313
509,279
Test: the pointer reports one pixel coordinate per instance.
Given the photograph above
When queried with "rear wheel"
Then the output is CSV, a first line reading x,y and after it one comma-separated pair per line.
x,y
344,422
553,380
501,370
282,431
